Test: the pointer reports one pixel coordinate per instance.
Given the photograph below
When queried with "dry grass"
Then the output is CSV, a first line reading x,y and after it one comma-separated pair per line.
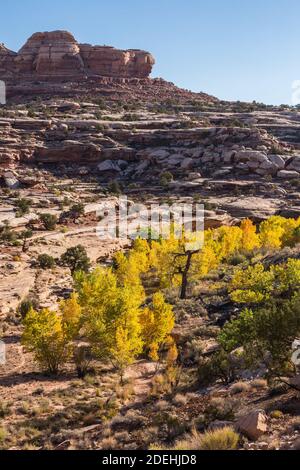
x,y
109,443
239,387
180,400
259,384
221,439
162,405
3,434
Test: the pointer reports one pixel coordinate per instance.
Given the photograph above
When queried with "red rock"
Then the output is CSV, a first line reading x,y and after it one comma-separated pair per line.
x,y
7,58
53,53
57,54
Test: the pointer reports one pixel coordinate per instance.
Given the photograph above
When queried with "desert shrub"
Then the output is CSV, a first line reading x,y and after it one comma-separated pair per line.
x,y
276,414
82,357
166,178
266,334
220,409
162,405
77,210
49,221
239,387
4,409
192,351
45,261
221,439
237,259
114,187
76,259
25,235
26,305
109,443
219,367
180,400
23,205
259,384
173,424
7,234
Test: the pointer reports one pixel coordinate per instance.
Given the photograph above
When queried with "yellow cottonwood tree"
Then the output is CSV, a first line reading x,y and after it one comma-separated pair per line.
x,y
250,238
125,349
157,323
110,313
44,336
71,315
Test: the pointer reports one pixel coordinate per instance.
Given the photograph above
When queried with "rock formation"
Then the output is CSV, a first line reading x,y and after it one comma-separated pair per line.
x,y
57,54
7,61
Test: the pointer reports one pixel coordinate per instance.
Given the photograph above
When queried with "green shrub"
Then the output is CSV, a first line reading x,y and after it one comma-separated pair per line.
x,y
276,414
26,305
49,221
46,261
76,259
114,187
23,205
166,178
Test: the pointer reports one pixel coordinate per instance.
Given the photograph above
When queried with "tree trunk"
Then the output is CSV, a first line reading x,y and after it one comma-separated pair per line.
x,y
185,272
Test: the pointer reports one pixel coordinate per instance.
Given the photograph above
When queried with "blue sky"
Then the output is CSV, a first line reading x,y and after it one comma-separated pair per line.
x,y
233,49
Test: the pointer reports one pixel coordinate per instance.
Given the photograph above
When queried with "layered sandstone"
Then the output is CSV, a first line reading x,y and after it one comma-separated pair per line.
x,y
7,61
57,54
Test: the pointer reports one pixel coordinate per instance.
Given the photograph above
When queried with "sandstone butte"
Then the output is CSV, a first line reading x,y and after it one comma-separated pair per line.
x,y
57,55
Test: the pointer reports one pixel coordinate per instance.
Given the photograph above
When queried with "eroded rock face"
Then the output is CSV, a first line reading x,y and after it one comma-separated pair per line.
x,y
57,54
7,58
50,53
104,60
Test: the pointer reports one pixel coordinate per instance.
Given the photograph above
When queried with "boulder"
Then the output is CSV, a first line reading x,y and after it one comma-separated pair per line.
x,y
160,154
122,164
222,172
228,156
175,160
294,164
253,425
10,180
142,166
288,174
278,160
251,155
187,164
109,165
253,165
269,167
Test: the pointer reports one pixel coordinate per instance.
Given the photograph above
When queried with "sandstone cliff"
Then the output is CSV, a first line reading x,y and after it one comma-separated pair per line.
x,y
57,54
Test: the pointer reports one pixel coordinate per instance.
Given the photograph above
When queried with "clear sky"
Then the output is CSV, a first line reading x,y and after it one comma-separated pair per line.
x,y
233,49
